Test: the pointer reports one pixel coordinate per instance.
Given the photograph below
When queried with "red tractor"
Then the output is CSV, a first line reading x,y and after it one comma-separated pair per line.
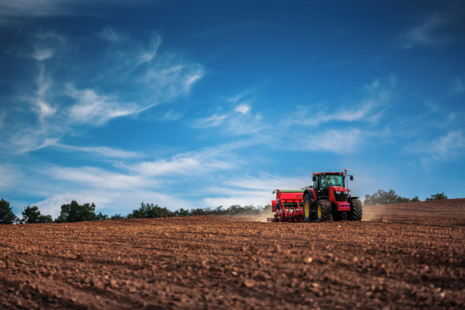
x,y
327,199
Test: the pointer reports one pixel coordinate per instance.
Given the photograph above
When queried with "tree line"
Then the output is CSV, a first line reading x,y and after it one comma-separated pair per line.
x,y
75,212
382,197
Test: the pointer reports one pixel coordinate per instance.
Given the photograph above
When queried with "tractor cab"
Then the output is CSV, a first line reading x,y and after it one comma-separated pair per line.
x,y
322,181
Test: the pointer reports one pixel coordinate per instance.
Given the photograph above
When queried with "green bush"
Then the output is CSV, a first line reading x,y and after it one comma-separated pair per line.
x,y
383,198
150,211
437,196
74,212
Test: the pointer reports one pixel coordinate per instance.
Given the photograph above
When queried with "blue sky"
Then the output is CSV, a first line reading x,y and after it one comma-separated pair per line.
x,y
207,103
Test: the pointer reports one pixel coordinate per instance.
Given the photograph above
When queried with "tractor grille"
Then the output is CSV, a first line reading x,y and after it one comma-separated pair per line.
x,y
341,197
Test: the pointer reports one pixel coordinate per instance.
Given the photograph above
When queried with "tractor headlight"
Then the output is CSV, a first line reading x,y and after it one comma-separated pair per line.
x,y
337,192
346,192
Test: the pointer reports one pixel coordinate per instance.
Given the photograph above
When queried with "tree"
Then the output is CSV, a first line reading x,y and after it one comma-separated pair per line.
x,y
117,217
32,215
382,198
74,212
415,199
437,196
181,212
101,216
6,213
150,211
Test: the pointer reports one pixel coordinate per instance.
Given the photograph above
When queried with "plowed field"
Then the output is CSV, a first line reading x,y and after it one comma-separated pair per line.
x,y
407,256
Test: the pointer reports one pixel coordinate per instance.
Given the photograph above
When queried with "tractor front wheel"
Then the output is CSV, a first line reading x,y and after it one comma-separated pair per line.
x,y
323,211
356,210
307,209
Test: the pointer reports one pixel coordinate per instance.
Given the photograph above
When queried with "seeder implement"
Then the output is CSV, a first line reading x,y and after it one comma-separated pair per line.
x,y
287,206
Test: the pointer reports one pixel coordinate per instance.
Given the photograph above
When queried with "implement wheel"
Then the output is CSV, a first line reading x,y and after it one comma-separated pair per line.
x,y
323,211
356,211
307,209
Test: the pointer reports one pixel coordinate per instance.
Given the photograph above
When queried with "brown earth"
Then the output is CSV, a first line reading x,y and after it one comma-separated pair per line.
x,y
410,256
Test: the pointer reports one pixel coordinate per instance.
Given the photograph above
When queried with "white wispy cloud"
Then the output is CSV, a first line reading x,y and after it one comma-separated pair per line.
x,y
30,139
9,176
375,100
151,51
170,78
145,181
172,115
121,201
3,114
110,34
425,34
458,85
99,178
191,163
102,151
43,85
445,148
238,119
64,106
96,109
339,141
211,121
269,182
251,190
15,11
46,44
243,108
238,122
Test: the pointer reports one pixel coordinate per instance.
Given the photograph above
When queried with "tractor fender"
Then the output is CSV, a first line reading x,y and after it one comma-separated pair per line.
x,y
311,192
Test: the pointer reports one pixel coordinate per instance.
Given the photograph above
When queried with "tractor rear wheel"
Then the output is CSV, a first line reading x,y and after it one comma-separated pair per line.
x,y
323,211
356,210
307,209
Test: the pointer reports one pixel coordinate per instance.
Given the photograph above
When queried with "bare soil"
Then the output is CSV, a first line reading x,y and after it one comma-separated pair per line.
x,y
407,256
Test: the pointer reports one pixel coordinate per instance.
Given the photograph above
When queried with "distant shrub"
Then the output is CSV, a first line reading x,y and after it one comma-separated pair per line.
x,y
117,217
383,198
437,196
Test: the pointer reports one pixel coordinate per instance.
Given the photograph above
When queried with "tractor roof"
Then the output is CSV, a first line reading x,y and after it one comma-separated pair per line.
x,y
332,172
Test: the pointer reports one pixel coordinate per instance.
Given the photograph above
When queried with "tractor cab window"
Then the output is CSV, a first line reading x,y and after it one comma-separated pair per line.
x,y
331,180
315,183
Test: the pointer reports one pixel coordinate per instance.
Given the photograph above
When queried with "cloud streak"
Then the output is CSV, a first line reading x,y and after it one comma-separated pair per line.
x,y
425,34
458,85
64,105
446,148
15,11
375,100
102,151
237,120
193,163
